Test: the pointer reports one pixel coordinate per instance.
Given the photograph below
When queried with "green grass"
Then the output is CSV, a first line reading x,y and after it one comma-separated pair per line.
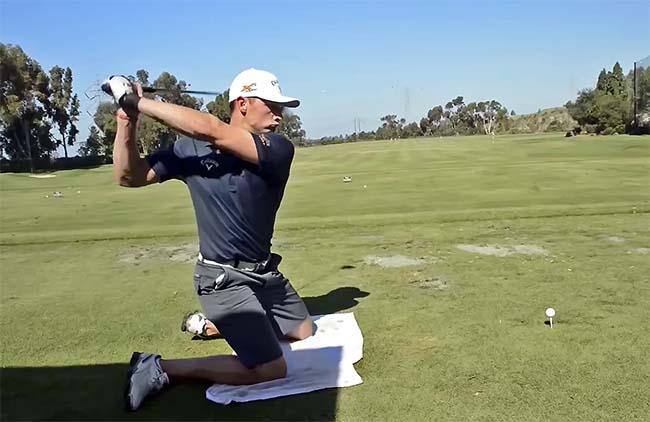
x,y
476,348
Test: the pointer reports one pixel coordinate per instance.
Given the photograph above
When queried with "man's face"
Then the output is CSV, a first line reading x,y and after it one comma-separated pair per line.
x,y
263,115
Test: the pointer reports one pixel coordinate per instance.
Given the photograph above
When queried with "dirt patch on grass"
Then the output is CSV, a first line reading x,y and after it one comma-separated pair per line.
x,y
393,261
42,176
615,239
185,253
285,243
370,238
433,283
502,251
641,251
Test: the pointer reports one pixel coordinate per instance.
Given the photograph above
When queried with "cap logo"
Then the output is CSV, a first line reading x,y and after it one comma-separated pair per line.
x,y
249,88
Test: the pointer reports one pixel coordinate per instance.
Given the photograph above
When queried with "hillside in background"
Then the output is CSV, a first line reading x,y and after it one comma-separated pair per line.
x,y
555,119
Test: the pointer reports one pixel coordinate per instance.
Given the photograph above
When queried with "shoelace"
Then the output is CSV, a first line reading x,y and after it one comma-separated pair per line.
x,y
161,380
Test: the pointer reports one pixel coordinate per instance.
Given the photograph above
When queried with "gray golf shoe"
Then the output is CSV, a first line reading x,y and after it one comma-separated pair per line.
x,y
145,378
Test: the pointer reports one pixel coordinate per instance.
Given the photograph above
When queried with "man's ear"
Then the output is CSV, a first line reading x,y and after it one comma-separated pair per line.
x,y
243,104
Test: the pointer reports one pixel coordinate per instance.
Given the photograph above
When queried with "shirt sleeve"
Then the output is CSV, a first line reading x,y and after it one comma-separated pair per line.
x,y
275,154
166,163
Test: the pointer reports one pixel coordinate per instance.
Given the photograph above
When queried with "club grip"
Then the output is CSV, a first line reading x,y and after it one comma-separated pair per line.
x,y
106,87
148,89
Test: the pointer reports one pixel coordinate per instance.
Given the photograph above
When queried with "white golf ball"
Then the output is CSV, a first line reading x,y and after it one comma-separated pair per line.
x,y
550,312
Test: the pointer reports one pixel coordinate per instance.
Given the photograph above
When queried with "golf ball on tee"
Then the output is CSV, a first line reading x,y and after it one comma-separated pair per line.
x,y
550,312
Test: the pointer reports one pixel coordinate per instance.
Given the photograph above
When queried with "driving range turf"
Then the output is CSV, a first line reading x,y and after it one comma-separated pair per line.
x,y
448,251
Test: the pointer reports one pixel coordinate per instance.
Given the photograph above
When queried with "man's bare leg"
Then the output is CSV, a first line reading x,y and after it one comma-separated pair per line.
x,y
223,369
149,374
211,330
303,331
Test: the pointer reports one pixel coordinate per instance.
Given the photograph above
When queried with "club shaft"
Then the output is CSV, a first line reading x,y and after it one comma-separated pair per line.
x,y
182,91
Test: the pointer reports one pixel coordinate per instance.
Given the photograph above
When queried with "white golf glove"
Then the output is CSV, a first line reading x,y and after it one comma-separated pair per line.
x,y
117,86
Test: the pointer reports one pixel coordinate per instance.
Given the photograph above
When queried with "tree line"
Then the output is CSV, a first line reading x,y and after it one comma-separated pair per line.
x,y
39,112
455,117
610,107
607,109
38,109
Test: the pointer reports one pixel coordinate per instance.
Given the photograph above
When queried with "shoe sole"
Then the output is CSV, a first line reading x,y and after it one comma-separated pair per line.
x,y
127,401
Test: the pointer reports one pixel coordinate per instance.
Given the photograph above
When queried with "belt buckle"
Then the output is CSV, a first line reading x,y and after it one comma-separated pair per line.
x,y
262,265
243,265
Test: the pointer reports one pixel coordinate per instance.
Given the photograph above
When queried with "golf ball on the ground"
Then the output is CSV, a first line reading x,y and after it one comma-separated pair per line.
x,y
550,312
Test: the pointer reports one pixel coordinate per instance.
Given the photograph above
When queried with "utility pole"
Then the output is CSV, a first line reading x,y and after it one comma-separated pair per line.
x,y
26,131
636,122
357,128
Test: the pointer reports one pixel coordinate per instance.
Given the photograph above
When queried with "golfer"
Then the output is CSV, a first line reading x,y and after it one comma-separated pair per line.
x,y
236,174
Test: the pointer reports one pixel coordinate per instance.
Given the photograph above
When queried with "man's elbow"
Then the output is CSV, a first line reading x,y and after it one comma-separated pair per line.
x,y
133,176
127,181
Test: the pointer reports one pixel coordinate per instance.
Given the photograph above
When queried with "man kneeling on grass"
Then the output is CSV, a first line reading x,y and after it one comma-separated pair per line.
x,y
236,174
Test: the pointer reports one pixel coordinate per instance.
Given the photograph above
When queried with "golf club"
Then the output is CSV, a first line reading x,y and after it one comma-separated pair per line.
x,y
182,91
107,89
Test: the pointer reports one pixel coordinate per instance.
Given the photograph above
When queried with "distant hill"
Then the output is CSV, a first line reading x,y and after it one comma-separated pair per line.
x,y
548,120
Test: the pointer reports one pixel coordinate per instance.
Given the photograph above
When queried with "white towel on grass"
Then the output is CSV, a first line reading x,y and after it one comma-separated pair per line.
x,y
324,360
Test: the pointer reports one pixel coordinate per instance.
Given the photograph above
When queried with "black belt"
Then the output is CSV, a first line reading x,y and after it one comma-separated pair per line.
x,y
255,267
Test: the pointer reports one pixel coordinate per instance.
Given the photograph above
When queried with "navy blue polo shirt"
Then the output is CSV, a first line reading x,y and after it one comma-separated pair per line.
x,y
235,202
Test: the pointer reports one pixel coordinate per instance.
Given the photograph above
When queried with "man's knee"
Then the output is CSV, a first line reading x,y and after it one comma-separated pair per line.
x,y
271,370
303,331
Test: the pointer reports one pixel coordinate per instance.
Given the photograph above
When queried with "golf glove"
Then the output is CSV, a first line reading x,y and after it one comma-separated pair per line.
x,y
117,86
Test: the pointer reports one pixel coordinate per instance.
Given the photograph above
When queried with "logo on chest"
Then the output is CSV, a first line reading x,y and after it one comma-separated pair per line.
x,y
265,140
209,163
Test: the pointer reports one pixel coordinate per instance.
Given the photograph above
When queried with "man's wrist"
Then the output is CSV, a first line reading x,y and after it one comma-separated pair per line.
x,y
130,102
121,115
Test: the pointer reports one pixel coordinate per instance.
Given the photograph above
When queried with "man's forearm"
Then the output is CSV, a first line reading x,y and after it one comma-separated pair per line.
x,y
199,125
127,164
190,122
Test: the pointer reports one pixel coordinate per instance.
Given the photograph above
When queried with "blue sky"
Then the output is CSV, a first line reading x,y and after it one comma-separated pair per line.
x,y
343,59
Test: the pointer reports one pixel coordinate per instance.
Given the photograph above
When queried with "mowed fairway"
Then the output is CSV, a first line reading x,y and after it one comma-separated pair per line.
x,y
447,250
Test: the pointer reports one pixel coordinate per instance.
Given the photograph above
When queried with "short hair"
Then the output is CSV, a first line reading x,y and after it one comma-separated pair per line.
x,y
232,106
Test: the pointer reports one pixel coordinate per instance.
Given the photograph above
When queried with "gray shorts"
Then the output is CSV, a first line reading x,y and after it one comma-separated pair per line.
x,y
250,310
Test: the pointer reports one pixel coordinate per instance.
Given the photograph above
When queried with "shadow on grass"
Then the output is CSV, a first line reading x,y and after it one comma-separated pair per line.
x,y
95,392
337,300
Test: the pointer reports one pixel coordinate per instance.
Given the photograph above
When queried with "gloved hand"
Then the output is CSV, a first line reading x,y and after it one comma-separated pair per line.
x,y
121,89
117,86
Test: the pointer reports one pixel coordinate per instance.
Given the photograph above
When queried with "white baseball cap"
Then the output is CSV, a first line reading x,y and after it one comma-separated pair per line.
x,y
261,84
